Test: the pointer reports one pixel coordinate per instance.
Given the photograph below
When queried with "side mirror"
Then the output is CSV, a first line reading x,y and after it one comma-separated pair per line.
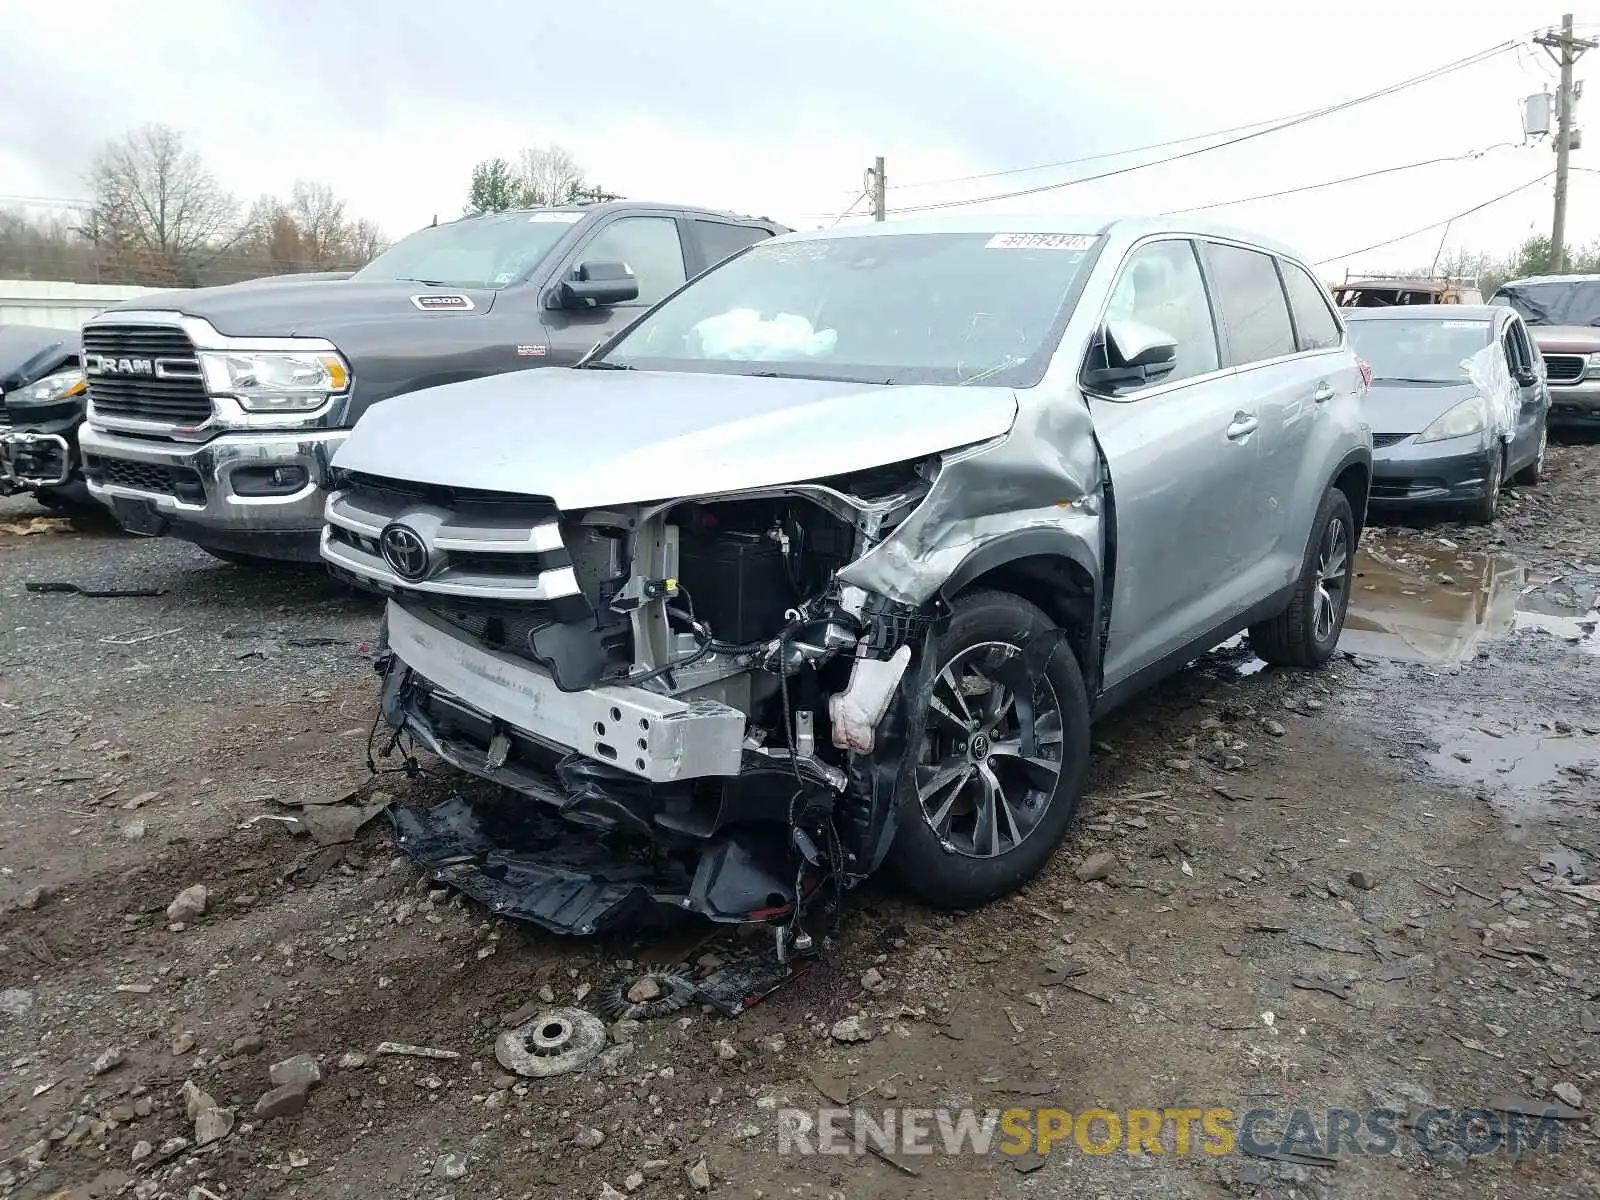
x,y
1129,354
600,282
1525,378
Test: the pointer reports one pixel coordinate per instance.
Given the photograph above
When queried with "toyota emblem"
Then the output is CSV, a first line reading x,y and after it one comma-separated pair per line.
x,y
405,552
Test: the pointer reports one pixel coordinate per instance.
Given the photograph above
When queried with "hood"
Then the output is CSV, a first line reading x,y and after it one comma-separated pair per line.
x,y
588,438
1411,407
29,352
1566,339
296,306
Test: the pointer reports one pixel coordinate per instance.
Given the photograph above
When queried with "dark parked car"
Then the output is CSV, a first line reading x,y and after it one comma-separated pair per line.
x,y
1458,403
213,413
41,408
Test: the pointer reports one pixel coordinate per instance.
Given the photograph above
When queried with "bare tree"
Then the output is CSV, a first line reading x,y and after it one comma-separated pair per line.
x,y
156,202
366,241
319,215
549,175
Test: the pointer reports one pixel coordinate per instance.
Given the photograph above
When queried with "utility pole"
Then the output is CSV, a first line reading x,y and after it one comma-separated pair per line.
x,y
876,188
1565,49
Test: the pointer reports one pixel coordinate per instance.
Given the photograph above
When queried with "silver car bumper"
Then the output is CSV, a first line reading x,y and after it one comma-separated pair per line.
x,y
653,736
201,484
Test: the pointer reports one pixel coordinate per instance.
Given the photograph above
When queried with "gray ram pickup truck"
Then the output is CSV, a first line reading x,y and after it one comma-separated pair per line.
x,y
213,413
829,560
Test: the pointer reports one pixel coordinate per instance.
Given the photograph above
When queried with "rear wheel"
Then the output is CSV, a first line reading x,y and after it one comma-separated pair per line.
x,y
1488,508
1002,757
1306,633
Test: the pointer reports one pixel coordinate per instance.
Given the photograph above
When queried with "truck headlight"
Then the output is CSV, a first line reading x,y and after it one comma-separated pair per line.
x,y
1469,416
275,381
49,390
1592,369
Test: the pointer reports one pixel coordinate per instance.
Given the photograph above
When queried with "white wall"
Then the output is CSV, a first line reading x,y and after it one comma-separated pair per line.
x,y
60,305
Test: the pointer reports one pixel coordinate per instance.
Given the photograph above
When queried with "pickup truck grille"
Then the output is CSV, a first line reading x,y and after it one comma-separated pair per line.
x,y
152,374
1564,368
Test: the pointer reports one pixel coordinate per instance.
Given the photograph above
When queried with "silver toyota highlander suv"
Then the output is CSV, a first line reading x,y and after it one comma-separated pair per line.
x,y
831,558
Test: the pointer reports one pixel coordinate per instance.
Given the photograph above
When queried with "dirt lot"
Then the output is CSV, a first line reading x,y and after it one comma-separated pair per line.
x,y
1362,889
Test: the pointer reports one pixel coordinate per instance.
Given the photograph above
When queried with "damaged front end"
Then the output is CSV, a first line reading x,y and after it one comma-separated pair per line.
x,y
708,716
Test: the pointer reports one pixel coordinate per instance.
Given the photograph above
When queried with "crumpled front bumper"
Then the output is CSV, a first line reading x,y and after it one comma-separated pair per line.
x,y
617,800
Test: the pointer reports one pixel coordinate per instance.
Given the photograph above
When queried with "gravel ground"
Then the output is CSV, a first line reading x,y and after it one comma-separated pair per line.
x,y
1358,889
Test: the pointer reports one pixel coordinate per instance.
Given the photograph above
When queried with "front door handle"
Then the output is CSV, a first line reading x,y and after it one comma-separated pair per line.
x,y
1244,424
1323,394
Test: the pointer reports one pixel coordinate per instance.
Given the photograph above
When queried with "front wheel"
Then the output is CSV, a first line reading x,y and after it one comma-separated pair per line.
x,y
1532,474
1488,508
1306,633
1001,761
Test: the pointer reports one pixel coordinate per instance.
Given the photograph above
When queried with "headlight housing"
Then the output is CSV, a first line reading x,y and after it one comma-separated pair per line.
x,y
1592,370
275,380
49,390
1470,416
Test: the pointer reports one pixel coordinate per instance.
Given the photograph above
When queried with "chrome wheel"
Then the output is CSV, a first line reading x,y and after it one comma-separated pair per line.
x,y
991,757
1333,569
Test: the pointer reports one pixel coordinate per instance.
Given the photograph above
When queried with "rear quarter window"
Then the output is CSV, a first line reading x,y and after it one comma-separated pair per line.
x,y
718,240
1315,325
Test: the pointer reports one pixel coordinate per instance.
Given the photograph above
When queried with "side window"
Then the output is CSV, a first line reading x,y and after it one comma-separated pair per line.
x,y
1161,286
651,248
1250,296
718,239
1313,319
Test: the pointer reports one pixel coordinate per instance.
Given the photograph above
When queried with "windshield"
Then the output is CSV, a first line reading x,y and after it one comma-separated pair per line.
x,y
944,308
1553,303
1422,351
476,252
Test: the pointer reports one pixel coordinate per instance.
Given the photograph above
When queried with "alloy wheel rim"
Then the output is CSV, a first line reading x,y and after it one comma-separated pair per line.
x,y
989,763
1333,569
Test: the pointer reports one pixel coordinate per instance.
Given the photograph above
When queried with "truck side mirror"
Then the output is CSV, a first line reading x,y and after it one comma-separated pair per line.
x,y
601,282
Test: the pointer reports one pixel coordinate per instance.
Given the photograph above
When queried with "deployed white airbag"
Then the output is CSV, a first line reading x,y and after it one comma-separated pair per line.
x,y
742,333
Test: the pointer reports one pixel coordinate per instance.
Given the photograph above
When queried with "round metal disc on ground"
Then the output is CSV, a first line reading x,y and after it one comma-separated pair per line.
x,y
553,1043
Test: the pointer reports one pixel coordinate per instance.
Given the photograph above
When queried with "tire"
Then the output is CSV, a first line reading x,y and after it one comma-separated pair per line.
x,y
965,865
1533,474
1306,633
1487,509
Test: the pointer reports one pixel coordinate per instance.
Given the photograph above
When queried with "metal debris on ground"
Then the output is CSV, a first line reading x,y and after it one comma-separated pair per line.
x,y
641,995
410,1051
556,1042
61,587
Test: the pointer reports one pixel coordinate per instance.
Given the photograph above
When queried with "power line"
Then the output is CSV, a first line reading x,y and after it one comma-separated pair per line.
x,y
1288,123
1437,224
1313,187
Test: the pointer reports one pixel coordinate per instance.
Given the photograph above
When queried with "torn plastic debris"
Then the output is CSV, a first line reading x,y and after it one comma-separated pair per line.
x,y
557,1042
1489,373
534,866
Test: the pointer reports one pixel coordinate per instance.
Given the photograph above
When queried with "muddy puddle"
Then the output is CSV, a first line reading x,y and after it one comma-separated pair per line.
x,y
1431,602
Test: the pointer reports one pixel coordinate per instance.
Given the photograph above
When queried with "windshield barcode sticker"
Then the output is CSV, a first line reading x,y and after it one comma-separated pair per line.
x,y
1040,241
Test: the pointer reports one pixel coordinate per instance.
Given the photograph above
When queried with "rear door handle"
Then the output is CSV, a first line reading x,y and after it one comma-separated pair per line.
x,y
1323,394
1244,424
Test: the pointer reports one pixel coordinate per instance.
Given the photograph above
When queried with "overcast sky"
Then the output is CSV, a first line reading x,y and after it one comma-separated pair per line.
x,y
777,108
